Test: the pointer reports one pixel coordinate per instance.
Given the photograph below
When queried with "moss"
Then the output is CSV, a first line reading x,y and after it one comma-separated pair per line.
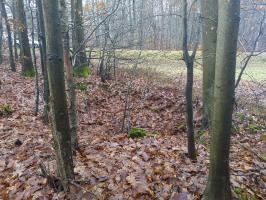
x,y
254,128
235,129
82,71
6,109
28,73
182,127
153,109
241,116
137,132
81,86
264,157
242,195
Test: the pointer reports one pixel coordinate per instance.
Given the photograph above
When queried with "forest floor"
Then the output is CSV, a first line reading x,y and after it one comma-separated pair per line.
x,y
110,165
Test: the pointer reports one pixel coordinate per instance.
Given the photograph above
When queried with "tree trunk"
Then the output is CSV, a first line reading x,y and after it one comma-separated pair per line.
x,y
37,91
189,60
79,34
58,104
69,77
42,46
209,12
218,187
9,37
1,39
14,30
27,65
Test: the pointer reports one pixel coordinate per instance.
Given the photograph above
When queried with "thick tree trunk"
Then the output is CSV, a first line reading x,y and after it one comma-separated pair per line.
x,y
58,104
209,12
9,37
69,77
42,46
218,187
27,65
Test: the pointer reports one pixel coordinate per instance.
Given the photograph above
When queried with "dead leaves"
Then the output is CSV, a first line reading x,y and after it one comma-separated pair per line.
x,y
113,166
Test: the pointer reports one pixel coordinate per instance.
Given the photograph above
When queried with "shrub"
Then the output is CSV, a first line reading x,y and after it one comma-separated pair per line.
x,y
82,71
137,132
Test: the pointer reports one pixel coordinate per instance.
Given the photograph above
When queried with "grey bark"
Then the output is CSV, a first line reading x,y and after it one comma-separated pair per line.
x,y
37,91
14,31
69,77
58,104
26,59
218,187
1,39
9,37
189,60
78,33
209,14
42,46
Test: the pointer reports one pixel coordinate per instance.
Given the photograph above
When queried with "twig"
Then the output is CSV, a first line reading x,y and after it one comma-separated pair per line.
x,y
250,150
80,187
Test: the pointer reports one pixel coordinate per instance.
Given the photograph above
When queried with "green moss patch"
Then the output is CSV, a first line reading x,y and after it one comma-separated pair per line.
x,y
29,73
254,128
6,109
137,132
82,71
243,195
81,86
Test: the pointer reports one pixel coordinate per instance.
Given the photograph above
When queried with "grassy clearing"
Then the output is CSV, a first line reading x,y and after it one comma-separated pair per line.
x,y
170,63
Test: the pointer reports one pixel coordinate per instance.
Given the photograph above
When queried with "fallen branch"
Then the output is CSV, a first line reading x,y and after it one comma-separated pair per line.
x,y
253,152
72,182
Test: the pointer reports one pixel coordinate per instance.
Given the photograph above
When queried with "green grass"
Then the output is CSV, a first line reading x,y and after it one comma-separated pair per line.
x,y
170,63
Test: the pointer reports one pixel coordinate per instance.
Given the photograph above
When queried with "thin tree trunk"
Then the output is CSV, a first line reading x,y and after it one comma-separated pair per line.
x,y
9,37
42,46
79,34
37,91
58,104
1,39
209,12
189,60
69,77
218,187
14,31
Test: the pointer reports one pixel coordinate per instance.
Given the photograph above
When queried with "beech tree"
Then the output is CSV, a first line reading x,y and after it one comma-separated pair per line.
x,y
218,187
58,104
9,37
209,14
26,59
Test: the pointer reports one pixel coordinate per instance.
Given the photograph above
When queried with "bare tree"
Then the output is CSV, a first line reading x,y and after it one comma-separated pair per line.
x,y
189,60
